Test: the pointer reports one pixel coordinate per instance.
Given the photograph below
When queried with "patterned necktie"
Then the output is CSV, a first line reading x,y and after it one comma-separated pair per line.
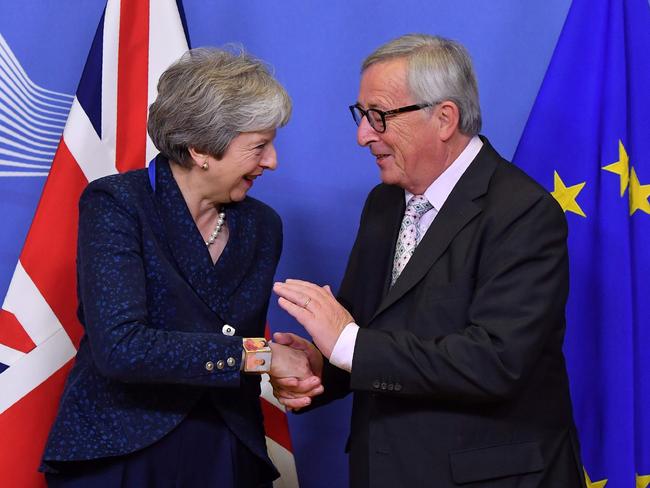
x,y
409,234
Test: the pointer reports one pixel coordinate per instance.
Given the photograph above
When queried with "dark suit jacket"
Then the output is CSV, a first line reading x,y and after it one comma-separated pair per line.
x,y
153,306
458,373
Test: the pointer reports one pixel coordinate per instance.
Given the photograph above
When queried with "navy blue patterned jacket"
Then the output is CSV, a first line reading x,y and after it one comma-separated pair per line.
x,y
153,305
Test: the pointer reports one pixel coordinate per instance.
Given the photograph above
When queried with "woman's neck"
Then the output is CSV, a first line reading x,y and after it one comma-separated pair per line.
x,y
199,204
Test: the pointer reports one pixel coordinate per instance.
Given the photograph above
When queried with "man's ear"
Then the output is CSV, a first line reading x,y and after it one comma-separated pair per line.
x,y
447,117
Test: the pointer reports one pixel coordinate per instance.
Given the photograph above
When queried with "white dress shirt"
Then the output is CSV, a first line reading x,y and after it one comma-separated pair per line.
x,y
437,193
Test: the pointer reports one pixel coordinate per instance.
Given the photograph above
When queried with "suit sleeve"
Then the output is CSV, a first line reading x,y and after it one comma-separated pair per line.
x,y
516,311
112,289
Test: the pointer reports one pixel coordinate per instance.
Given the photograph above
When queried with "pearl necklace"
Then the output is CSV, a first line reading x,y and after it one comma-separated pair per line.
x,y
220,221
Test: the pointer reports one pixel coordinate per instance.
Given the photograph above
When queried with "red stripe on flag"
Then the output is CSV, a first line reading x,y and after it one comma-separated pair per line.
x,y
12,334
267,332
49,252
25,427
132,85
276,425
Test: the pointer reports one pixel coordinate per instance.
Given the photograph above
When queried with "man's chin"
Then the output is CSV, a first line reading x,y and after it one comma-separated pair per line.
x,y
389,177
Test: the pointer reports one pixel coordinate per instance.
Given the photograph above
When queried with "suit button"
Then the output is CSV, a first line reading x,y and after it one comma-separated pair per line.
x,y
375,384
384,386
228,330
209,365
220,364
230,362
398,387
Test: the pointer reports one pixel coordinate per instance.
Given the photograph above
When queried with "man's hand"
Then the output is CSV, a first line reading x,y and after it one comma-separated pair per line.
x,y
290,362
316,309
292,392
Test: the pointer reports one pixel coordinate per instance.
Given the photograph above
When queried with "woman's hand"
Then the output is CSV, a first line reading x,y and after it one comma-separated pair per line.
x,y
287,362
292,391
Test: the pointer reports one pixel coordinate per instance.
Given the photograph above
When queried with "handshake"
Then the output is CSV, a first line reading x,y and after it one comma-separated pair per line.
x,y
297,365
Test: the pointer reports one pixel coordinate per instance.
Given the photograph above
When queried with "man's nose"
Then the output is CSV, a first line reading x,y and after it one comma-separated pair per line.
x,y
365,133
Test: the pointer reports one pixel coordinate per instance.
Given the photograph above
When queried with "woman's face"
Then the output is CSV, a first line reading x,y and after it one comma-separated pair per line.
x,y
246,158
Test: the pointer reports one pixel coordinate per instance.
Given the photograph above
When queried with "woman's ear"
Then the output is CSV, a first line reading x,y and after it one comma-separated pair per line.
x,y
200,159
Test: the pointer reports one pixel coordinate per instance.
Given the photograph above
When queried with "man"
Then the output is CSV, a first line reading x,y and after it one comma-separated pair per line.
x,y
450,319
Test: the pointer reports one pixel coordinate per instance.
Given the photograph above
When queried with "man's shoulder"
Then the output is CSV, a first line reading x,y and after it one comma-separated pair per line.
x,y
515,179
511,187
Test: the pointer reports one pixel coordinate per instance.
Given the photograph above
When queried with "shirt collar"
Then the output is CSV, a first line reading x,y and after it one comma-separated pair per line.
x,y
442,186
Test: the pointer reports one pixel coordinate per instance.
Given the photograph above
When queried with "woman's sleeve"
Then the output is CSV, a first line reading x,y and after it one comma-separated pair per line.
x,y
112,291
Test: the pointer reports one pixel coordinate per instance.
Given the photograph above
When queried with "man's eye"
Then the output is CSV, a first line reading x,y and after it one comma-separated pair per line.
x,y
376,116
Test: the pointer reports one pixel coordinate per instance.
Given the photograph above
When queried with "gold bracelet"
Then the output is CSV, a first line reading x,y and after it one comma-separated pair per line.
x,y
257,355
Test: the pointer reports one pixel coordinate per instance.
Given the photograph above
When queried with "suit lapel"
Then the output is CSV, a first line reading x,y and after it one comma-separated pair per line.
x,y
394,214
459,209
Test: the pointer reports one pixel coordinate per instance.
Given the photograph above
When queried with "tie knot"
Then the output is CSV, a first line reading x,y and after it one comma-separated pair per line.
x,y
417,206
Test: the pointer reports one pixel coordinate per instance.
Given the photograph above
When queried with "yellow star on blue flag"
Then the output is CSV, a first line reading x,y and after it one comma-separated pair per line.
x,y
590,120
593,484
638,195
621,167
566,195
642,481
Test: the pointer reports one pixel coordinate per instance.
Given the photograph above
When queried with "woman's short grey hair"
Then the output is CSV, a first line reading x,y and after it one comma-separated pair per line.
x,y
208,97
438,69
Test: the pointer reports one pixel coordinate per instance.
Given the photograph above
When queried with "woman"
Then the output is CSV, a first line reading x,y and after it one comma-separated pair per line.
x,y
175,267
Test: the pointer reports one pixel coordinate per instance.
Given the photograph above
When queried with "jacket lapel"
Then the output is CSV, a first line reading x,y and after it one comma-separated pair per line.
x,y
394,215
185,243
238,255
459,209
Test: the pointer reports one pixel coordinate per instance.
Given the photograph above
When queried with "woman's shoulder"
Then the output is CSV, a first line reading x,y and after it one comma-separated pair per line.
x,y
259,211
122,187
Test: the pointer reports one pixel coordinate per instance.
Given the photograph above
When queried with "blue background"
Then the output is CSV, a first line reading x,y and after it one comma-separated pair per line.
x,y
323,177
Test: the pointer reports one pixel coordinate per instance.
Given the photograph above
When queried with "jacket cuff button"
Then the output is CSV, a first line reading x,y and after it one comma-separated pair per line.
x,y
220,364
231,362
209,366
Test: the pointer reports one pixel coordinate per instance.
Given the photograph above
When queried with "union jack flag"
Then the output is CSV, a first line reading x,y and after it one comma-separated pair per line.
x,y
105,133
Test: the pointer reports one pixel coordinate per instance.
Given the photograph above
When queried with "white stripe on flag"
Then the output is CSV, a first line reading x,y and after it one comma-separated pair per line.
x,y
34,368
95,157
25,301
267,393
167,43
285,463
9,356
109,78
53,346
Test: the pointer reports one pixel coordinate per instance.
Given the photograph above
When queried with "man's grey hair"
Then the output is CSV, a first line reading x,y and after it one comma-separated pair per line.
x,y
208,97
438,69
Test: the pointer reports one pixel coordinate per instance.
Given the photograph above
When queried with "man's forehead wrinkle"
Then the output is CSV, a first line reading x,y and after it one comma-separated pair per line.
x,y
386,89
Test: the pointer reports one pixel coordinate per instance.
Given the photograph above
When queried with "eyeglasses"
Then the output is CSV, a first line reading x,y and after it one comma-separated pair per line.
x,y
377,118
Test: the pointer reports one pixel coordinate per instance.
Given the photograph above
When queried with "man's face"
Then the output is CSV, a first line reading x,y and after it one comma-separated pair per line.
x,y
409,153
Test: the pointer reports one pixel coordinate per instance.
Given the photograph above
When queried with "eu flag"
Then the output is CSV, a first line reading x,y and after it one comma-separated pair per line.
x,y
588,141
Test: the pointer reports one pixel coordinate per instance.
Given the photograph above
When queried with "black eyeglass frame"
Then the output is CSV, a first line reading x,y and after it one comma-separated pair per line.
x,y
383,114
